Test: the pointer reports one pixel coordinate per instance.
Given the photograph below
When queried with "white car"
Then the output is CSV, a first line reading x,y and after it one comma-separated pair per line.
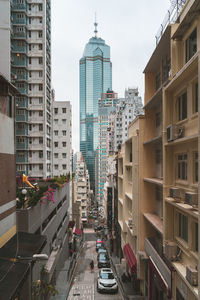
x,y
106,281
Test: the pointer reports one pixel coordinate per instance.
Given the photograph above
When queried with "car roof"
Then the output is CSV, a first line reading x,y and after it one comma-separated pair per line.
x,y
107,270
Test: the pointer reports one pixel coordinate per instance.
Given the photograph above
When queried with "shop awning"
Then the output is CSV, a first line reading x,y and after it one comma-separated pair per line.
x,y
130,258
78,231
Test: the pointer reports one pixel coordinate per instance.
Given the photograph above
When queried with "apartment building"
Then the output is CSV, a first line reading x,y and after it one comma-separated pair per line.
x,y
62,138
106,105
180,155
127,109
158,167
83,186
31,74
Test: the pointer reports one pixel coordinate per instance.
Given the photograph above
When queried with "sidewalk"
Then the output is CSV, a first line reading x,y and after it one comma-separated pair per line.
x,y
129,291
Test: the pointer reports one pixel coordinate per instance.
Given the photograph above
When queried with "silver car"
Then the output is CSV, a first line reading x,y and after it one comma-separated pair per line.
x,y
106,281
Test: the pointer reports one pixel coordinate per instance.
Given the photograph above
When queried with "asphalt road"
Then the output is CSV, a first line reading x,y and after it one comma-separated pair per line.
x,y
85,281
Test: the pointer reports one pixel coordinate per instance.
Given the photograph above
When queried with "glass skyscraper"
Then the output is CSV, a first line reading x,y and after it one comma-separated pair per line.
x,y
95,78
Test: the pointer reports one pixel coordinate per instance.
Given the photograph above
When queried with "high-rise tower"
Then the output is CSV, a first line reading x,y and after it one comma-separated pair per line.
x,y
31,74
95,78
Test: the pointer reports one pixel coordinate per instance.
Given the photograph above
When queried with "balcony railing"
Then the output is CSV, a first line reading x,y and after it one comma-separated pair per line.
x,y
158,261
171,17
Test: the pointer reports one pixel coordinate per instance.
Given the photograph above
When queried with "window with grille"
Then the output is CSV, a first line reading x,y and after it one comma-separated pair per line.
x,y
182,166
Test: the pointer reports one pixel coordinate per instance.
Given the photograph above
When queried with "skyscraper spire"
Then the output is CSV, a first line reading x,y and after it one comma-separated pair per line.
x,y
95,26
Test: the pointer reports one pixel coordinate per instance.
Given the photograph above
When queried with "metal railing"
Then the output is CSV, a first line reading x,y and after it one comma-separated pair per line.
x,y
171,17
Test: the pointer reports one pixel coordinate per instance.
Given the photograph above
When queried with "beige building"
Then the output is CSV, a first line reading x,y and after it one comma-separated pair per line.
x,y
158,168
180,154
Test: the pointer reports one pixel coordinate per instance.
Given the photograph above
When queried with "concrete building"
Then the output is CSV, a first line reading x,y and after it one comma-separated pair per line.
x,y
83,186
106,106
126,111
95,78
158,167
31,74
180,155
62,138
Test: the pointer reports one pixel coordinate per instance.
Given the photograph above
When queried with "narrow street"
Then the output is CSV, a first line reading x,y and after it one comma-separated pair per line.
x,y
85,282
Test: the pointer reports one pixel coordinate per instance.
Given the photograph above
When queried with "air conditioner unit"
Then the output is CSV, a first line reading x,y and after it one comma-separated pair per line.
x,y
191,199
171,133
171,250
192,275
175,193
130,223
174,132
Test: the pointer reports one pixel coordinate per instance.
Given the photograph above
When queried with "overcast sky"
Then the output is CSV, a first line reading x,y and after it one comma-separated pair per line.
x,y
127,26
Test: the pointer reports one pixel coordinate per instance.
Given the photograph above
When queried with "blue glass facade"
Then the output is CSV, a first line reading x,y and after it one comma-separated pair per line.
x,y
95,78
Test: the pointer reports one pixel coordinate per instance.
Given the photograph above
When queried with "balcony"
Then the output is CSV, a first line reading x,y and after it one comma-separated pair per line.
x,y
22,118
155,221
22,132
150,247
20,35
154,180
21,146
19,49
19,7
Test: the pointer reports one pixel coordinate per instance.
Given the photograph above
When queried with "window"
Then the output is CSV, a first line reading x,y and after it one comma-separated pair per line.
x,y
40,60
41,113
183,227
29,47
64,110
158,119
55,155
40,34
40,154
64,155
40,167
55,132
40,46
64,132
40,73
64,167
40,87
29,60
182,107
196,240
158,156
40,100
30,87
56,121
40,7
64,144
40,127
55,111
196,175
29,33
40,20
30,167
40,140
30,127
158,81
55,144
191,45
182,166
195,97
56,167
64,121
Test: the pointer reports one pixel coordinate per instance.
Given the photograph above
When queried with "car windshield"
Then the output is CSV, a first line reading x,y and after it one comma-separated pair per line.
x,y
107,276
102,256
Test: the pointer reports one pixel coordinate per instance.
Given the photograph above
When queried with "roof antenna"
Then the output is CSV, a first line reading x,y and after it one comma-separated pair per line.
x,y
95,25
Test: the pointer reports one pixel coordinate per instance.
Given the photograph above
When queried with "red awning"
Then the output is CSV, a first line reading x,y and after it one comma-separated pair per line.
x,y
78,231
130,258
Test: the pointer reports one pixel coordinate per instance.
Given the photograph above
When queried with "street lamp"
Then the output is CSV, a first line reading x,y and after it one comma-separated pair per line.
x,y
24,192
35,257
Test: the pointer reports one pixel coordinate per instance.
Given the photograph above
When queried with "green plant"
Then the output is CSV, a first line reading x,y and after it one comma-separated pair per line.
x,y
41,289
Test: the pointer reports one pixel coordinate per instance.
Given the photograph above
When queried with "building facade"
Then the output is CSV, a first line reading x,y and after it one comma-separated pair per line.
x,y
127,110
106,106
95,78
31,74
62,138
83,187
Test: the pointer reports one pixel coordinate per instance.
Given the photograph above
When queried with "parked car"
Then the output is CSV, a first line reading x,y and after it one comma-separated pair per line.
x,y
99,245
102,250
103,260
106,281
